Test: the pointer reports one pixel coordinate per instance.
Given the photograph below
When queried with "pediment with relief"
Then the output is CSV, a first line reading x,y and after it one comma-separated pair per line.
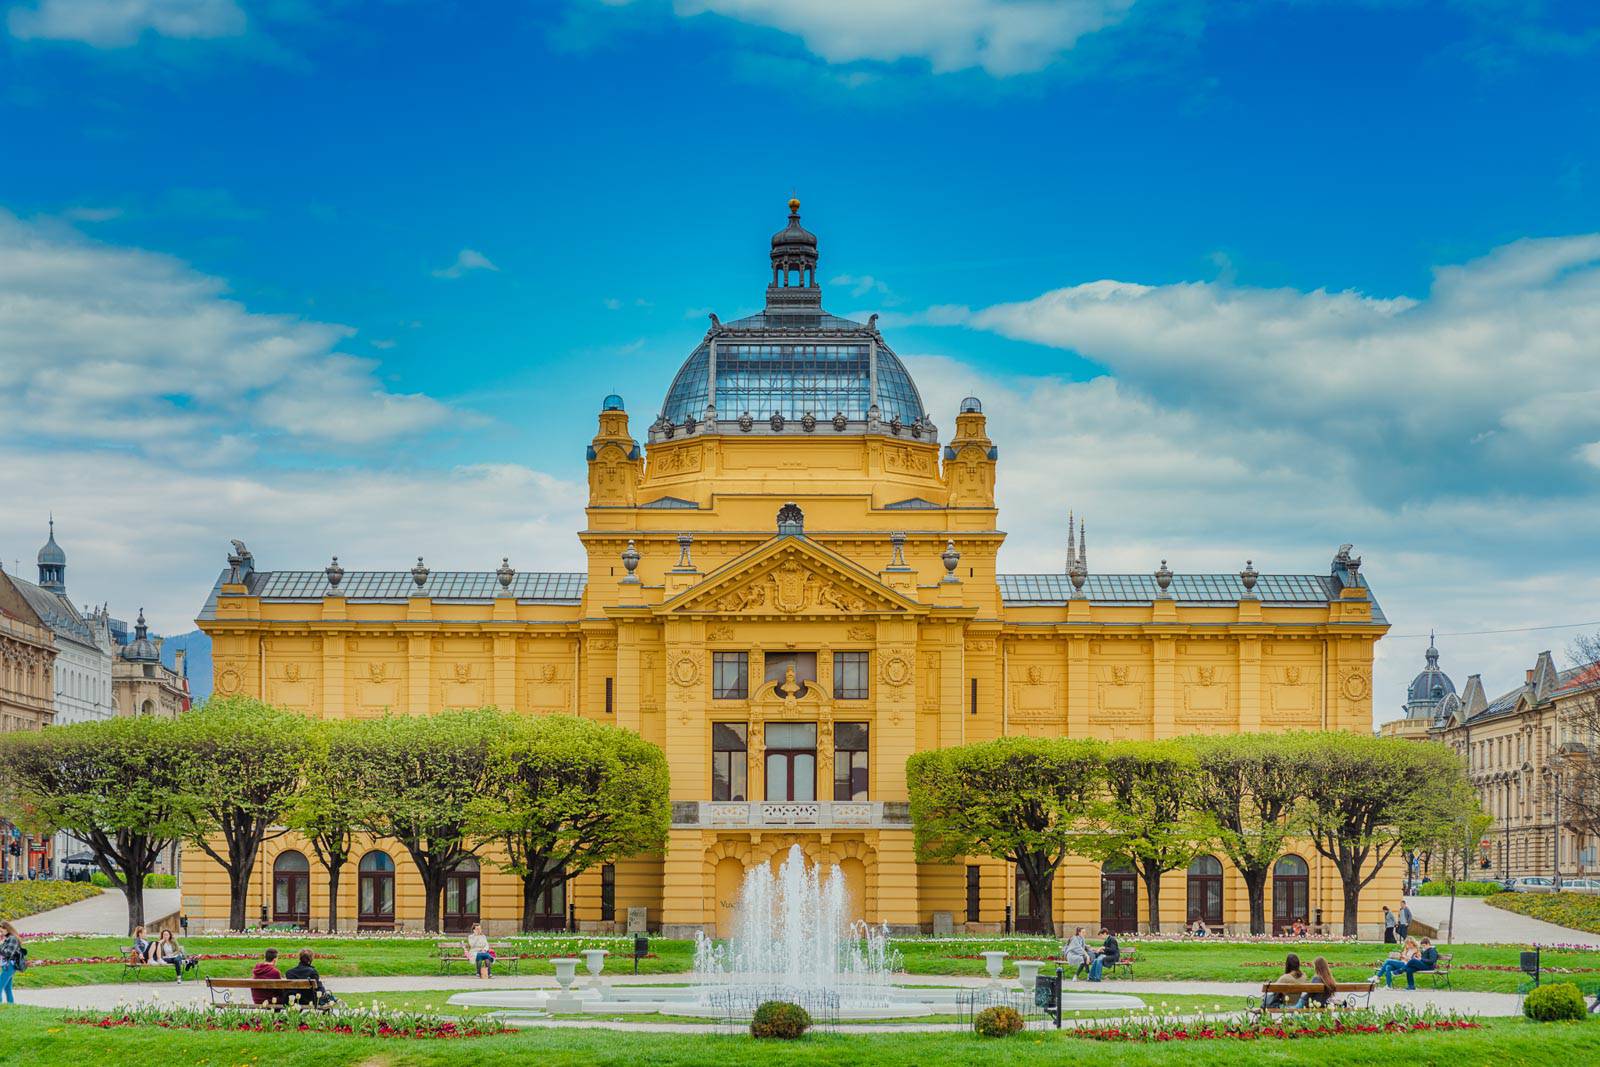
x,y
796,579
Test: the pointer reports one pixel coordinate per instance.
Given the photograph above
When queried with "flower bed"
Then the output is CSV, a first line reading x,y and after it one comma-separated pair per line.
x,y
202,956
1399,1020
1577,911
1509,968
359,1022
19,899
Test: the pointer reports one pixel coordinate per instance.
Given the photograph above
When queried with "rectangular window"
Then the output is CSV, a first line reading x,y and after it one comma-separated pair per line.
x,y
730,675
608,892
850,761
791,761
728,763
610,696
778,665
849,676
973,895
974,696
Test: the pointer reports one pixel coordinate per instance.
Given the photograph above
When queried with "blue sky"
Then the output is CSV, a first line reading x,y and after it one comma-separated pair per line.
x,y
1235,279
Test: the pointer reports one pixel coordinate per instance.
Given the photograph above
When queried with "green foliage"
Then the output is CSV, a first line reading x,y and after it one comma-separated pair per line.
x,y
779,1019
1147,815
1577,911
1555,1003
1364,797
20,899
565,794
151,881
999,1021
326,809
1026,800
1462,889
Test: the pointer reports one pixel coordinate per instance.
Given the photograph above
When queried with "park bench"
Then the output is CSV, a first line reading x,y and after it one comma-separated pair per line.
x,y
133,963
1124,963
505,955
1355,995
1440,971
285,987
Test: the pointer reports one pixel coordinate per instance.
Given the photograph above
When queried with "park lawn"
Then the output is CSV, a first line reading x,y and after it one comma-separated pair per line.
x,y
1211,960
38,1036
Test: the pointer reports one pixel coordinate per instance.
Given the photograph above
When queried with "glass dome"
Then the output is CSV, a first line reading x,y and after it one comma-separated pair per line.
x,y
791,374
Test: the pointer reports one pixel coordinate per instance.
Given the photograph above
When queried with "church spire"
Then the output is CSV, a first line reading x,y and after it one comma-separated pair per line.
x,y
52,563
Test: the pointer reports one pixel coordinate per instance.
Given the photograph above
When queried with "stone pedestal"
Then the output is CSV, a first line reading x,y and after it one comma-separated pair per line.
x,y
944,924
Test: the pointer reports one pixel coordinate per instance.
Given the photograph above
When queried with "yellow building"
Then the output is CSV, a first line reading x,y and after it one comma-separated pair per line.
x,y
791,588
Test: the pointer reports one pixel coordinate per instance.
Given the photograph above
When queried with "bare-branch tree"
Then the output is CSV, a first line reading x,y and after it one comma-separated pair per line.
x,y
1578,734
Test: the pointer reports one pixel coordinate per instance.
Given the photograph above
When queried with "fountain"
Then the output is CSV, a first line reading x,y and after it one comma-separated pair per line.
x,y
793,940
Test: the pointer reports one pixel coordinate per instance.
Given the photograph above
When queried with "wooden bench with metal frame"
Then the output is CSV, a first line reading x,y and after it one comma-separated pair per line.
x,y
505,955
283,987
1291,992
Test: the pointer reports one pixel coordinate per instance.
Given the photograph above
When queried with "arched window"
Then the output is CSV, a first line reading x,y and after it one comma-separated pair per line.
x,y
1119,898
461,897
291,889
1205,890
375,891
1291,890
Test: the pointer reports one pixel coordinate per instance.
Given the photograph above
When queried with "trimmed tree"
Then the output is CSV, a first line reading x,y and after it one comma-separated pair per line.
x,y
325,811
1025,800
1363,795
119,785
1146,816
1246,787
568,794
416,779
247,761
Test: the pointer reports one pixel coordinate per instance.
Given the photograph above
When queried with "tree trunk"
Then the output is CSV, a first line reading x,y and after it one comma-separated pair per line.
x,y
238,895
1352,898
133,890
1255,888
1152,892
433,888
530,901
333,897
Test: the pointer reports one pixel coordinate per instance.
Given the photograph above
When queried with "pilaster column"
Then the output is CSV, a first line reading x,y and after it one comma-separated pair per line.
x,y
419,676
1163,673
504,682
333,691
1250,711
1080,688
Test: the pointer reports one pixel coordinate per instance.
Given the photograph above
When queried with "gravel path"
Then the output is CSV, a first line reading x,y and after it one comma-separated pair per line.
x,y
103,914
1479,923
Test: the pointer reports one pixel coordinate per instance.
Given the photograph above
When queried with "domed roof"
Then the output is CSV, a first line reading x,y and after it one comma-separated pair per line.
x,y
1429,687
51,554
141,649
612,402
791,360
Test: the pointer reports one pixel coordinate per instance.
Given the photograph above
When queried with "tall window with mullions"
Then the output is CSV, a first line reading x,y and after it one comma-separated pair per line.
x,y
730,675
850,761
850,676
729,765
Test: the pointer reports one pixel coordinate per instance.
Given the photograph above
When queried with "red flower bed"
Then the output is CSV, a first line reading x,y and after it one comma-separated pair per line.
x,y
1201,1031
203,956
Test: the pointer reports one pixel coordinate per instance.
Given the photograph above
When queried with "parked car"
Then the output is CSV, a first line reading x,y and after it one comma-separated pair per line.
x,y
1590,886
1532,884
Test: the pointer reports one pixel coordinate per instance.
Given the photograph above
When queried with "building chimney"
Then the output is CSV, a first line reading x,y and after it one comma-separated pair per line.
x,y
1530,675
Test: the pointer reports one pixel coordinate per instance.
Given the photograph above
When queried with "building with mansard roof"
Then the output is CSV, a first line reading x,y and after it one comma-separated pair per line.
x,y
792,584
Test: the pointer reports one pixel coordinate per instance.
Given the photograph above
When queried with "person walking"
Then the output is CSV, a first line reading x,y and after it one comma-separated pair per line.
x,y
1403,921
1388,925
11,956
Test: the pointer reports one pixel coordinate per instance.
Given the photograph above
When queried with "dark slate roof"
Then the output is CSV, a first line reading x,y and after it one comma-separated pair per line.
x,y
56,611
534,587
1025,589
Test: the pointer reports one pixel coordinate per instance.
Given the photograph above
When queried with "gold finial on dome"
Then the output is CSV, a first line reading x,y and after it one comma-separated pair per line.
x,y
794,203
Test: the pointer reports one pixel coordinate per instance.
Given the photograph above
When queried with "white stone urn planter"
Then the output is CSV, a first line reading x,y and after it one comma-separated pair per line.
x,y
1028,974
566,973
595,960
994,962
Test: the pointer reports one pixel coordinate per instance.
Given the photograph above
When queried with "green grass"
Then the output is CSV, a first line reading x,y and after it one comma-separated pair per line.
x,y
1580,911
36,1036
1222,961
21,899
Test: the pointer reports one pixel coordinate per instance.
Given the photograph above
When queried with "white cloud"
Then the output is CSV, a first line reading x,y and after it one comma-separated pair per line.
x,y
1003,37
120,23
108,345
861,285
467,259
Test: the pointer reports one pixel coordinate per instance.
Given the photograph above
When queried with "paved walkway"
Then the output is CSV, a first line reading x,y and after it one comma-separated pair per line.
x,y
1229,994
1477,922
103,914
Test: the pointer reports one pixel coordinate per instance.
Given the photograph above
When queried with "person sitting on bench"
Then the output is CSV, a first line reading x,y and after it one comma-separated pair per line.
x,y
267,969
320,997
1426,960
1397,964
1076,951
1105,956
1291,973
1322,974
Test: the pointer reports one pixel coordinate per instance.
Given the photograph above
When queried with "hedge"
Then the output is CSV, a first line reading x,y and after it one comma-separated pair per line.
x,y
151,881
1578,911
18,899
1463,889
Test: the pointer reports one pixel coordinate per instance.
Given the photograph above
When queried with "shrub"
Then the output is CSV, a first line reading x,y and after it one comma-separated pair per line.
x,y
779,1019
1550,1003
151,881
18,899
1463,889
997,1022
